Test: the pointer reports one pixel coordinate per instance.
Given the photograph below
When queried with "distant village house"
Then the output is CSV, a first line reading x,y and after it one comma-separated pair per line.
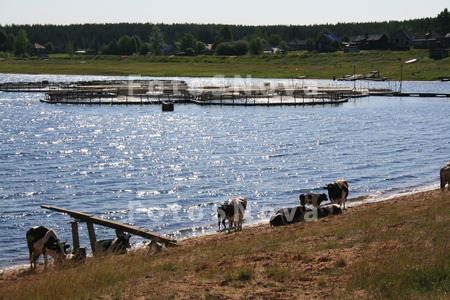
x,y
402,40
38,49
370,42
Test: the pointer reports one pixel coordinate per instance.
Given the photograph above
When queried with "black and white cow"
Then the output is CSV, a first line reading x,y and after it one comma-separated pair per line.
x,y
445,177
338,191
233,211
328,210
289,215
313,199
118,245
42,240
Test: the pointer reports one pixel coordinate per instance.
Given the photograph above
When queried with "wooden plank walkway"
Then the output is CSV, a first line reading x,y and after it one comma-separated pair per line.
x,y
89,219
401,94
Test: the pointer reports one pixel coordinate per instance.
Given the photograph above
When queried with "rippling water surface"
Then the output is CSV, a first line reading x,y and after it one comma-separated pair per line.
x,y
168,171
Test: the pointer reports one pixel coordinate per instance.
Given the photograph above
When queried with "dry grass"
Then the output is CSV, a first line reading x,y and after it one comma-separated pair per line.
x,y
397,249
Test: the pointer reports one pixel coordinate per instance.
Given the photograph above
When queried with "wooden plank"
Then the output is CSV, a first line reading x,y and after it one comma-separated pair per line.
x,y
112,224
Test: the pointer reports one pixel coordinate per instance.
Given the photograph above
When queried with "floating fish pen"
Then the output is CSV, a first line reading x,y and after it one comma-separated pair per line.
x,y
42,86
267,97
119,87
119,92
112,98
177,91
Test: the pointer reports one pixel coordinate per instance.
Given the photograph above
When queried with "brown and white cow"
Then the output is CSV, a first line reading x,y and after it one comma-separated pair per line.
x,y
233,211
42,240
445,177
338,191
313,199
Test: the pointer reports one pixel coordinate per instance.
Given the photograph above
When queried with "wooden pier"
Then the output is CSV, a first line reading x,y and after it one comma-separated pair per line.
x,y
91,220
401,94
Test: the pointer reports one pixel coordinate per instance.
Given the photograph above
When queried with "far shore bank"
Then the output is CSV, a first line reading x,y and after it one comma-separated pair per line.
x,y
390,65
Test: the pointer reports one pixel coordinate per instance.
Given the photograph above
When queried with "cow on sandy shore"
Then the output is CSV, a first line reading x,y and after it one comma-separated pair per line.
x,y
289,215
118,245
233,211
313,199
445,177
41,240
329,210
338,191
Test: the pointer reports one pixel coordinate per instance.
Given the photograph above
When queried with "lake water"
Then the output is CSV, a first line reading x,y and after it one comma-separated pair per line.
x,y
167,172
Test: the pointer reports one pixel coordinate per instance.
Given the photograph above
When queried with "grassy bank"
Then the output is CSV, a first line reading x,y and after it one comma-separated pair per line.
x,y
397,249
295,64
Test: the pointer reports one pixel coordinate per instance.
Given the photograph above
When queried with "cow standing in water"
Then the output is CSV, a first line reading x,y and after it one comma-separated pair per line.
x,y
445,177
338,191
42,240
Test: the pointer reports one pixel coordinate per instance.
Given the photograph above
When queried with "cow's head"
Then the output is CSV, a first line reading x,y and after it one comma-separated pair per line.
x,y
328,186
55,248
121,243
323,197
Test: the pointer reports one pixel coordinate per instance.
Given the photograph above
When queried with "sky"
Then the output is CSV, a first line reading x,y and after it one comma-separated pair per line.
x,y
252,12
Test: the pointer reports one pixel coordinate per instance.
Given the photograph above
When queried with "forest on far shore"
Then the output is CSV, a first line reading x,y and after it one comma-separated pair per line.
x,y
145,38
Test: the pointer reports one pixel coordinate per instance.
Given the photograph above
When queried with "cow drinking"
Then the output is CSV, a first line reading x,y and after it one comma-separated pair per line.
x,y
42,240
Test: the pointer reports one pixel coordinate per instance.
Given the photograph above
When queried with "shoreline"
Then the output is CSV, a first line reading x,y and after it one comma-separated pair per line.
x,y
350,203
352,255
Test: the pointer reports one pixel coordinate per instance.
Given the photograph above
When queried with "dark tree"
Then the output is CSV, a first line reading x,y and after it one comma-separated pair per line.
x,y
157,41
22,44
188,41
443,21
3,40
256,46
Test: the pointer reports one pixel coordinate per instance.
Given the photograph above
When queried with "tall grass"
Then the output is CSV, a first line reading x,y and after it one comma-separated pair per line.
x,y
409,258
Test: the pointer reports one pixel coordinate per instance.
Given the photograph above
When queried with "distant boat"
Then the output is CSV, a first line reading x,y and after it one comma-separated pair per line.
x,y
412,61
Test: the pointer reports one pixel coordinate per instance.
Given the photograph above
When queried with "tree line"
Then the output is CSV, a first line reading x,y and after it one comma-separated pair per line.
x,y
191,39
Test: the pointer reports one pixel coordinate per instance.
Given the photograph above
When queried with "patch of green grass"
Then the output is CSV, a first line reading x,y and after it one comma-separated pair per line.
x,y
245,274
278,273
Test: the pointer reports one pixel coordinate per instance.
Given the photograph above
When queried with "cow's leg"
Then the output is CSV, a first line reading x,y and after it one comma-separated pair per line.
x,y
45,260
230,222
33,261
